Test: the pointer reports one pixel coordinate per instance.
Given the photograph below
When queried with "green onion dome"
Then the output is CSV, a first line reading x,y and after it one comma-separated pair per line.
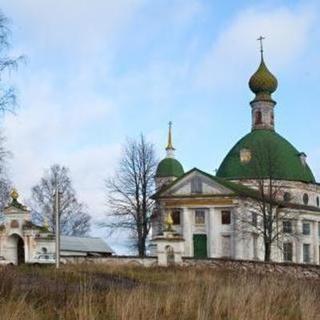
x,y
169,167
263,83
263,153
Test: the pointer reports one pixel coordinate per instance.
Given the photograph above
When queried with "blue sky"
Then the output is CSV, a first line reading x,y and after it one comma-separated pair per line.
x,y
100,71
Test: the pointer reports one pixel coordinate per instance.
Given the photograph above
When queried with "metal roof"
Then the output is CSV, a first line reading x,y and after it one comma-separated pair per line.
x,y
84,244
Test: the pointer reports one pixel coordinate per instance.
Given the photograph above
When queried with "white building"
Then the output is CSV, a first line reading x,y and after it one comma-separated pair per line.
x,y
220,215
21,240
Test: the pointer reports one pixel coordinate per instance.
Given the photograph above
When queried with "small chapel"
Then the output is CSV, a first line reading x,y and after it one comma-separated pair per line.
x,y
221,216
21,240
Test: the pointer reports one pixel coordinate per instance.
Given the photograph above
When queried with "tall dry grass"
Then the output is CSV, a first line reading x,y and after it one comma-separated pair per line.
x,y
88,292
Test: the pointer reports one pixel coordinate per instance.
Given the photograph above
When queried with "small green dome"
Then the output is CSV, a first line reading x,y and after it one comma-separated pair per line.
x,y
263,83
260,149
169,167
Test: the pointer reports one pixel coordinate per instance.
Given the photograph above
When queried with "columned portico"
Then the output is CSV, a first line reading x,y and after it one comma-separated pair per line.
x,y
211,232
315,233
187,231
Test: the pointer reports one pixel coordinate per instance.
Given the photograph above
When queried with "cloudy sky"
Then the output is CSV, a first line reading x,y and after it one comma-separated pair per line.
x,y
99,71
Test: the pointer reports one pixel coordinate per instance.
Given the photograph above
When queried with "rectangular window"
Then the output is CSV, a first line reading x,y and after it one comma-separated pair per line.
x,y
199,216
287,226
176,216
306,228
287,251
196,185
306,253
225,217
254,219
319,229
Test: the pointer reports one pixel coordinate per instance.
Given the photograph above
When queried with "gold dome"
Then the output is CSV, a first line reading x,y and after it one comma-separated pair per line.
x,y
263,83
14,194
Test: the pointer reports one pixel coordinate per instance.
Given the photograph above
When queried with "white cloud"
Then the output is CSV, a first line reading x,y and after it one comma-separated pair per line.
x,y
50,129
72,25
235,51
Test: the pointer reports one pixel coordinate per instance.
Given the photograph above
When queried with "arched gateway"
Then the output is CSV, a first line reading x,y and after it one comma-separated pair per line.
x,y
15,249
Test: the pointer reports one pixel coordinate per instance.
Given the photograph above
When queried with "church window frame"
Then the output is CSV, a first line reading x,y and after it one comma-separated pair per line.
x,y
306,228
176,216
14,224
200,216
305,199
254,219
306,253
287,197
287,251
287,226
258,117
225,217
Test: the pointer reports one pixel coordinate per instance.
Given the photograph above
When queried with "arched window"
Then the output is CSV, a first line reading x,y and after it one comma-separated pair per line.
x,y
14,224
318,202
305,199
258,117
287,197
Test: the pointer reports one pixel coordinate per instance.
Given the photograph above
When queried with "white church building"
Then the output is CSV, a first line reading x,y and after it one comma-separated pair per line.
x,y
219,215
21,241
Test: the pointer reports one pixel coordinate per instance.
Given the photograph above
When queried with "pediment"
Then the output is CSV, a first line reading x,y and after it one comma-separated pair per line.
x,y
196,183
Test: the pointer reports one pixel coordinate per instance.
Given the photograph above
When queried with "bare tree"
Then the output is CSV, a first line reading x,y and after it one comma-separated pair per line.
x,y
265,211
7,63
5,183
74,218
129,192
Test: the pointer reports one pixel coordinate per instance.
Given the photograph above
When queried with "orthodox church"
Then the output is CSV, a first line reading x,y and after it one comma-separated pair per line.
x,y
264,195
21,241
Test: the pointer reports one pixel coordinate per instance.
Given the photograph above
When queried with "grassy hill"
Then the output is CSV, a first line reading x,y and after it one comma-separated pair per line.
x,y
131,293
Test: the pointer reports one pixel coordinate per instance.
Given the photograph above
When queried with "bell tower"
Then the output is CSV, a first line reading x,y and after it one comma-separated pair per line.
x,y
263,83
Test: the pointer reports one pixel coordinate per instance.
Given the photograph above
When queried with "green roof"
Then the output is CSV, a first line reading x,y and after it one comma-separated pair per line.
x,y
271,156
169,167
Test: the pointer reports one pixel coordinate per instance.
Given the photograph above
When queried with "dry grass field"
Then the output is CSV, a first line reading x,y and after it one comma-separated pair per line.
x,y
131,293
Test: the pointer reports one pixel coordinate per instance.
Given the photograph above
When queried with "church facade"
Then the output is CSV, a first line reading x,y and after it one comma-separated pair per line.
x,y
264,196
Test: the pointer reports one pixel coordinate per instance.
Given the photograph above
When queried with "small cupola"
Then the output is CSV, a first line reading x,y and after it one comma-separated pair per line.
x,y
169,168
263,83
14,200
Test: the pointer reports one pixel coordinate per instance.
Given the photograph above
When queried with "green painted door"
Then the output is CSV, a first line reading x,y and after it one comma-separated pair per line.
x,y
200,246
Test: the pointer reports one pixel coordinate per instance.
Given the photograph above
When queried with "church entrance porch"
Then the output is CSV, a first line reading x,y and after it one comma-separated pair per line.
x,y
15,249
200,246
